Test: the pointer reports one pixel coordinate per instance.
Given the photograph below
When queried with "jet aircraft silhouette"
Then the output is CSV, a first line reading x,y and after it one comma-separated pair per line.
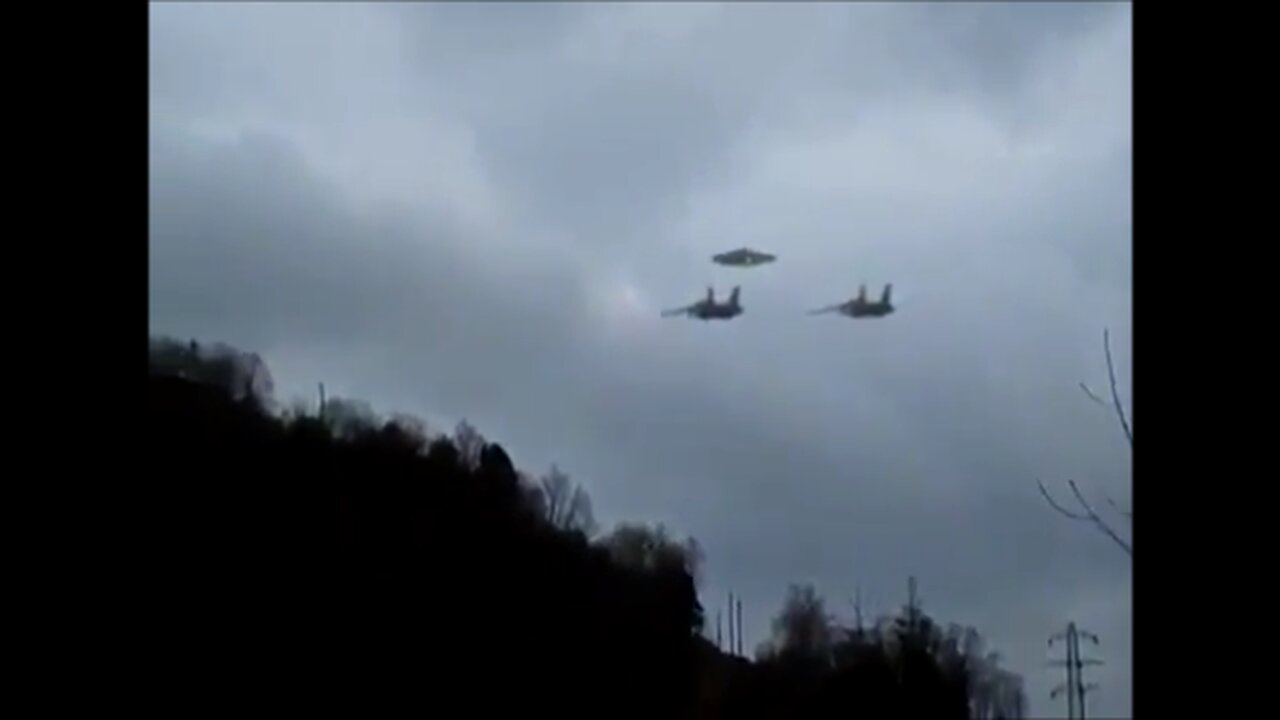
x,y
860,307
708,309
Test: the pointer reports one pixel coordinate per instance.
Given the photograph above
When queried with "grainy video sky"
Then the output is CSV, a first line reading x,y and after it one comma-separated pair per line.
x,y
477,211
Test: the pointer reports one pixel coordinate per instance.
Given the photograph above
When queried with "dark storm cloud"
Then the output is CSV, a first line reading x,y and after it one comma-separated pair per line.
x,y
477,210
259,250
997,45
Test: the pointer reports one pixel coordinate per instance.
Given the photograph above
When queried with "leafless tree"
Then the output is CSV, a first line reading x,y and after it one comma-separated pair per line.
x,y
1086,513
242,375
803,628
470,443
349,418
652,548
566,505
412,426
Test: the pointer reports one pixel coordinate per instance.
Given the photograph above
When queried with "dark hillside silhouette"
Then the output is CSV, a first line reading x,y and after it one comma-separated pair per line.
x,y
347,563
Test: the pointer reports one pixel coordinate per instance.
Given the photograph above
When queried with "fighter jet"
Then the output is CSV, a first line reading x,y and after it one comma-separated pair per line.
x,y
743,257
709,309
860,307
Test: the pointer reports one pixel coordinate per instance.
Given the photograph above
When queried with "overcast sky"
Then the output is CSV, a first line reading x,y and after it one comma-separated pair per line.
x,y
479,210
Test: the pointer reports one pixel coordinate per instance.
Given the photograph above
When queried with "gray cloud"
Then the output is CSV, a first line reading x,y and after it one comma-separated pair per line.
x,y
477,210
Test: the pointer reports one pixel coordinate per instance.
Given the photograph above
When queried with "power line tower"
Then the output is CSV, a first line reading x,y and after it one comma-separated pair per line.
x,y
913,611
1074,687
856,602
736,646
719,642
742,650
733,645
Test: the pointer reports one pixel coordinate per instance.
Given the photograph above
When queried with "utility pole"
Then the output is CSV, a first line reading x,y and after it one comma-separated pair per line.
x,y
857,611
733,645
740,643
719,644
1074,687
1082,687
913,605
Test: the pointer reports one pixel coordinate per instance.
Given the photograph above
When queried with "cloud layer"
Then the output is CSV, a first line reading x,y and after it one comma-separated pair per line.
x,y
478,210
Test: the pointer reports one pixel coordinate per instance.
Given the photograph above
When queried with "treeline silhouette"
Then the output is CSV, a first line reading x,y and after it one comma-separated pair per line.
x,y
344,561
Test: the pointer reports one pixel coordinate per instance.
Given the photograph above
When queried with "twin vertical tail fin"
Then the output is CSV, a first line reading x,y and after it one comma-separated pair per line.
x,y
887,296
733,297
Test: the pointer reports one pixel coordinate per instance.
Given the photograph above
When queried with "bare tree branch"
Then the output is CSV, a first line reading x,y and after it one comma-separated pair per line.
x,y
1115,394
1115,403
1092,395
1096,519
1089,515
1127,513
1053,504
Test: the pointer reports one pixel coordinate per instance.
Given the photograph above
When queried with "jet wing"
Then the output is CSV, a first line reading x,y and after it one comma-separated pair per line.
x,y
828,309
678,311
